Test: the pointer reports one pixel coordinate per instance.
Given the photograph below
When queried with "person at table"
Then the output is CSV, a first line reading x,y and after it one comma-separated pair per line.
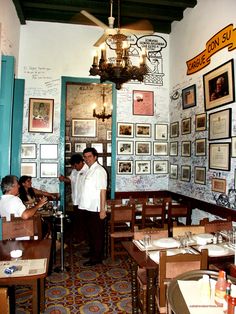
x,y
10,203
93,201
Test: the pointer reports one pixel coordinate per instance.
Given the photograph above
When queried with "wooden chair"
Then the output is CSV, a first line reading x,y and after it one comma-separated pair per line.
x,y
4,300
181,230
216,225
153,215
117,201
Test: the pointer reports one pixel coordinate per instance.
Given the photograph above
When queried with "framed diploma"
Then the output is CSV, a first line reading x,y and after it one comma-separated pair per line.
x,y
220,124
219,156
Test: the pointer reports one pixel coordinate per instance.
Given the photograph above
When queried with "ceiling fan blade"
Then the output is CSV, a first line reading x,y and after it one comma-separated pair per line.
x,y
94,19
139,27
101,40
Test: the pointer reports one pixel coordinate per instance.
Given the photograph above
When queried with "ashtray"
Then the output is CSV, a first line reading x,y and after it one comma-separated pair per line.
x,y
16,253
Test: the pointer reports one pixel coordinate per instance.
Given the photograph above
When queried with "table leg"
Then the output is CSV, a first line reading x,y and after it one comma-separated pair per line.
x,y
151,290
35,297
42,294
134,288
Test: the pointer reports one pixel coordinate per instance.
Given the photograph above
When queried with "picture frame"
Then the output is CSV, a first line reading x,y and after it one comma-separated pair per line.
x,y
48,170
29,169
98,147
108,160
143,148
186,126
125,167
174,129
125,147
220,124
48,151
186,148
200,122
100,160
143,130
84,128
233,147
68,147
173,149
200,175
143,103
219,156
28,151
160,166
218,86
185,173
173,171
109,147
161,132
41,111
200,147
142,167
189,97
125,129
218,185
67,162
79,147
109,135
160,148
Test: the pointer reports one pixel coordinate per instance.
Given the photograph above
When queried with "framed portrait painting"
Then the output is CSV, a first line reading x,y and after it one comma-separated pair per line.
x,y
143,103
84,127
189,97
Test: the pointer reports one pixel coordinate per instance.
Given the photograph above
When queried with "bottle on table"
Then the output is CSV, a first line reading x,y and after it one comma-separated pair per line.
x,y
220,288
227,296
205,288
232,301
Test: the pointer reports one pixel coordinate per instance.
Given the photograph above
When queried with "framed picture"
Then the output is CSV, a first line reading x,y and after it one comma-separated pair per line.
x,y
28,151
125,129
143,130
108,135
200,175
233,145
109,161
174,129
186,149
200,147
200,122
100,160
84,127
125,147
189,97
219,86
160,166
67,162
220,124
108,148
68,147
143,148
218,185
161,132
185,173
79,147
124,167
48,170
173,148
98,147
48,151
173,171
160,149
41,115
143,166
186,126
219,156
29,169
143,103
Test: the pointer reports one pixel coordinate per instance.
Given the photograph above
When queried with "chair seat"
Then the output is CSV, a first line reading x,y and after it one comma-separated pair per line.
x,y
122,234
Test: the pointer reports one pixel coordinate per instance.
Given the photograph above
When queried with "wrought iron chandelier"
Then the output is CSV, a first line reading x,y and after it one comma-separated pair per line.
x,y
103,115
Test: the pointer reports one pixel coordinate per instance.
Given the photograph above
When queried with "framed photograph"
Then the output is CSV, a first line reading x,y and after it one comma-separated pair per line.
x,y
67,162
109,148
84,127
41,115
125,147
98,147
200,175
100,160
186,126
143,167
186,149
185,173
220,124
109,161
200,147
143,148
173,148
160,166
143,103
160,149
124,167
125,129
219,156
173,171
174,129
68,147
189,97
233,145
200,122
219,86
108,135
48,151
79,147
161,132
28,151
48,170
29,169
143,130
218,185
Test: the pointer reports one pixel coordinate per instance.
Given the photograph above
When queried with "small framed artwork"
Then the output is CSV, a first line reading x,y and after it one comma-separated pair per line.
x,y
186,149
161,132
68,147
28,151
79,147
189,97
200,122
160,149
29,169
185,173
143,130
233,145
218,185
108,135
219,86
124,167
143,103
100,160
220,124
143,166
48,170
109,161
98,147
173,171
200,175
108,148
173,148
219,156
67,162
174,129
143,148
48,151
125,129
125,147
186,126
84,127
160,166
41,115
200,147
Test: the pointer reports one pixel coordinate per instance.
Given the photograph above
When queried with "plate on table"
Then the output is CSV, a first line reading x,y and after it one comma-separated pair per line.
x,y
215,250
203,238
166,242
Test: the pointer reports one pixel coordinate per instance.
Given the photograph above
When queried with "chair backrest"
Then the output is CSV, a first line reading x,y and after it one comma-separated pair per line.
x,y
153,211
155,233
181,230
117,201
122,214
216,225
138,200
